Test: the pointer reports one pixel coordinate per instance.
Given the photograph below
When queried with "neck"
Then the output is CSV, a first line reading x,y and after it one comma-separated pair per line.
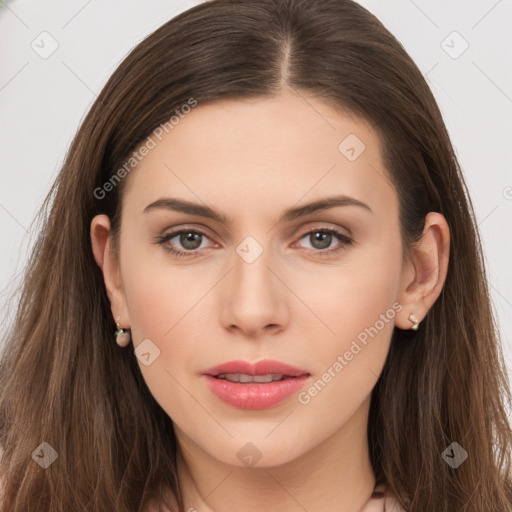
x,y
336,475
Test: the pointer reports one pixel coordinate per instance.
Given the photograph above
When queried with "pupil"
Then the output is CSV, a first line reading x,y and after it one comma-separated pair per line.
x,y
324,240
189,240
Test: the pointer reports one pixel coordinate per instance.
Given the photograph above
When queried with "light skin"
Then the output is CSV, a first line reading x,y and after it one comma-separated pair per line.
x,y
251,161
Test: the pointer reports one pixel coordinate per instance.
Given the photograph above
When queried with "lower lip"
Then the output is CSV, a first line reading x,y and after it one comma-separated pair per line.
x,y
255,395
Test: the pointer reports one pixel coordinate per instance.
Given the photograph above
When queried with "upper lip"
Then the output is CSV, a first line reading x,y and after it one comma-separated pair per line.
x,y
264,367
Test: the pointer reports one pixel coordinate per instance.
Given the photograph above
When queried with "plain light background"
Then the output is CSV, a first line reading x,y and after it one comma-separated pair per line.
x,y
55,56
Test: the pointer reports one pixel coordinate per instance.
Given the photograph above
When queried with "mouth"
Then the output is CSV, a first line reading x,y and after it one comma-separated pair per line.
x,y
245,378
260,385
244,371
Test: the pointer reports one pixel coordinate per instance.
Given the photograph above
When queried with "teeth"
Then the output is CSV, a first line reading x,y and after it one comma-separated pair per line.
x,y
242,377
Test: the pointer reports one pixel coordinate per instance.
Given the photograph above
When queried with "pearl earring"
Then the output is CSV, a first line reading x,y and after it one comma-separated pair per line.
x,y
414,320
123,336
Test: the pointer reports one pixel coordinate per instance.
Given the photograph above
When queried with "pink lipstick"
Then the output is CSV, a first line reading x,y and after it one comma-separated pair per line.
x,y
260,385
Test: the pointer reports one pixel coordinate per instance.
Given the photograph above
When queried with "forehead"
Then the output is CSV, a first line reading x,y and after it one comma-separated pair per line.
x,y
244,152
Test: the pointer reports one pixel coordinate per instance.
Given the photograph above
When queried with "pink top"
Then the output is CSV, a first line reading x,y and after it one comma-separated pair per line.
x,y
380,502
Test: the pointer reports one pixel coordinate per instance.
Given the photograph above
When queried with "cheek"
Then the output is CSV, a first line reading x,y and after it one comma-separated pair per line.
x,y
357,307
162,294
354,295
162,309
166,306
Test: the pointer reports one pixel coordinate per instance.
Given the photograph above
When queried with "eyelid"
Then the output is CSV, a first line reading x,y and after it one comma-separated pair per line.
x,y
343,238
331,227
173,232
326,227
176,230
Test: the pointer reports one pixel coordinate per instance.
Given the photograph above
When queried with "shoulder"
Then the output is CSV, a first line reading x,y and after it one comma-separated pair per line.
x,y
382,501
1,483
1,492
392,505
167,504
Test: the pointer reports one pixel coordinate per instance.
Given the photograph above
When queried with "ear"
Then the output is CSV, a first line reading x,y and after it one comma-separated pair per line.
x,y
425,272
109,264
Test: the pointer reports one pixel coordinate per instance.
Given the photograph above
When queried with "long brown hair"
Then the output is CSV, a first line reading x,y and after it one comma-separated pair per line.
x,y
63,379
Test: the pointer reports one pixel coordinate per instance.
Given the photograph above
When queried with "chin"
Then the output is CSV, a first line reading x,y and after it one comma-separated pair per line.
x,y
258,452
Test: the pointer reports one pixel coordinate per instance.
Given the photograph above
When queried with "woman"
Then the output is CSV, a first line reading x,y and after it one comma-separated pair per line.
x,y
264,210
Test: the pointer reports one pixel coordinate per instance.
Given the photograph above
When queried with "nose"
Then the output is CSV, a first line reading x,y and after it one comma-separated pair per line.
x,y
254,298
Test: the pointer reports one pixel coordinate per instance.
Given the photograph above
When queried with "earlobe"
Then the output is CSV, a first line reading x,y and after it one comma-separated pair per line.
x,y
107,261
426,272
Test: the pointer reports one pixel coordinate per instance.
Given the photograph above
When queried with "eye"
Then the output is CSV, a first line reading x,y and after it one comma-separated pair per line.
x,y
187,242
321,239
190,240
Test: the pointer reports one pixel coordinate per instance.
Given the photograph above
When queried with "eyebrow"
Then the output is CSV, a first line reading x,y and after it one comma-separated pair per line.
x,y
181,205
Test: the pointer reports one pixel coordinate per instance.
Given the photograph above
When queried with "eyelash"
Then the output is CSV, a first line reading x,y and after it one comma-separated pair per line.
x,y
344,239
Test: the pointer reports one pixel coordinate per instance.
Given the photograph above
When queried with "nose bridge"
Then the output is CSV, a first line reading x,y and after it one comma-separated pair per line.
x,y
251,275
254,299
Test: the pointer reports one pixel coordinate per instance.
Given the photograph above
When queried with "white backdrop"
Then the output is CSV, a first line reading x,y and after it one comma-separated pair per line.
x,y
56,55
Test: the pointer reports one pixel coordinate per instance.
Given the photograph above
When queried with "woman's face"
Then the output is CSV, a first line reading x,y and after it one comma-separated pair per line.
x,y
316,288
